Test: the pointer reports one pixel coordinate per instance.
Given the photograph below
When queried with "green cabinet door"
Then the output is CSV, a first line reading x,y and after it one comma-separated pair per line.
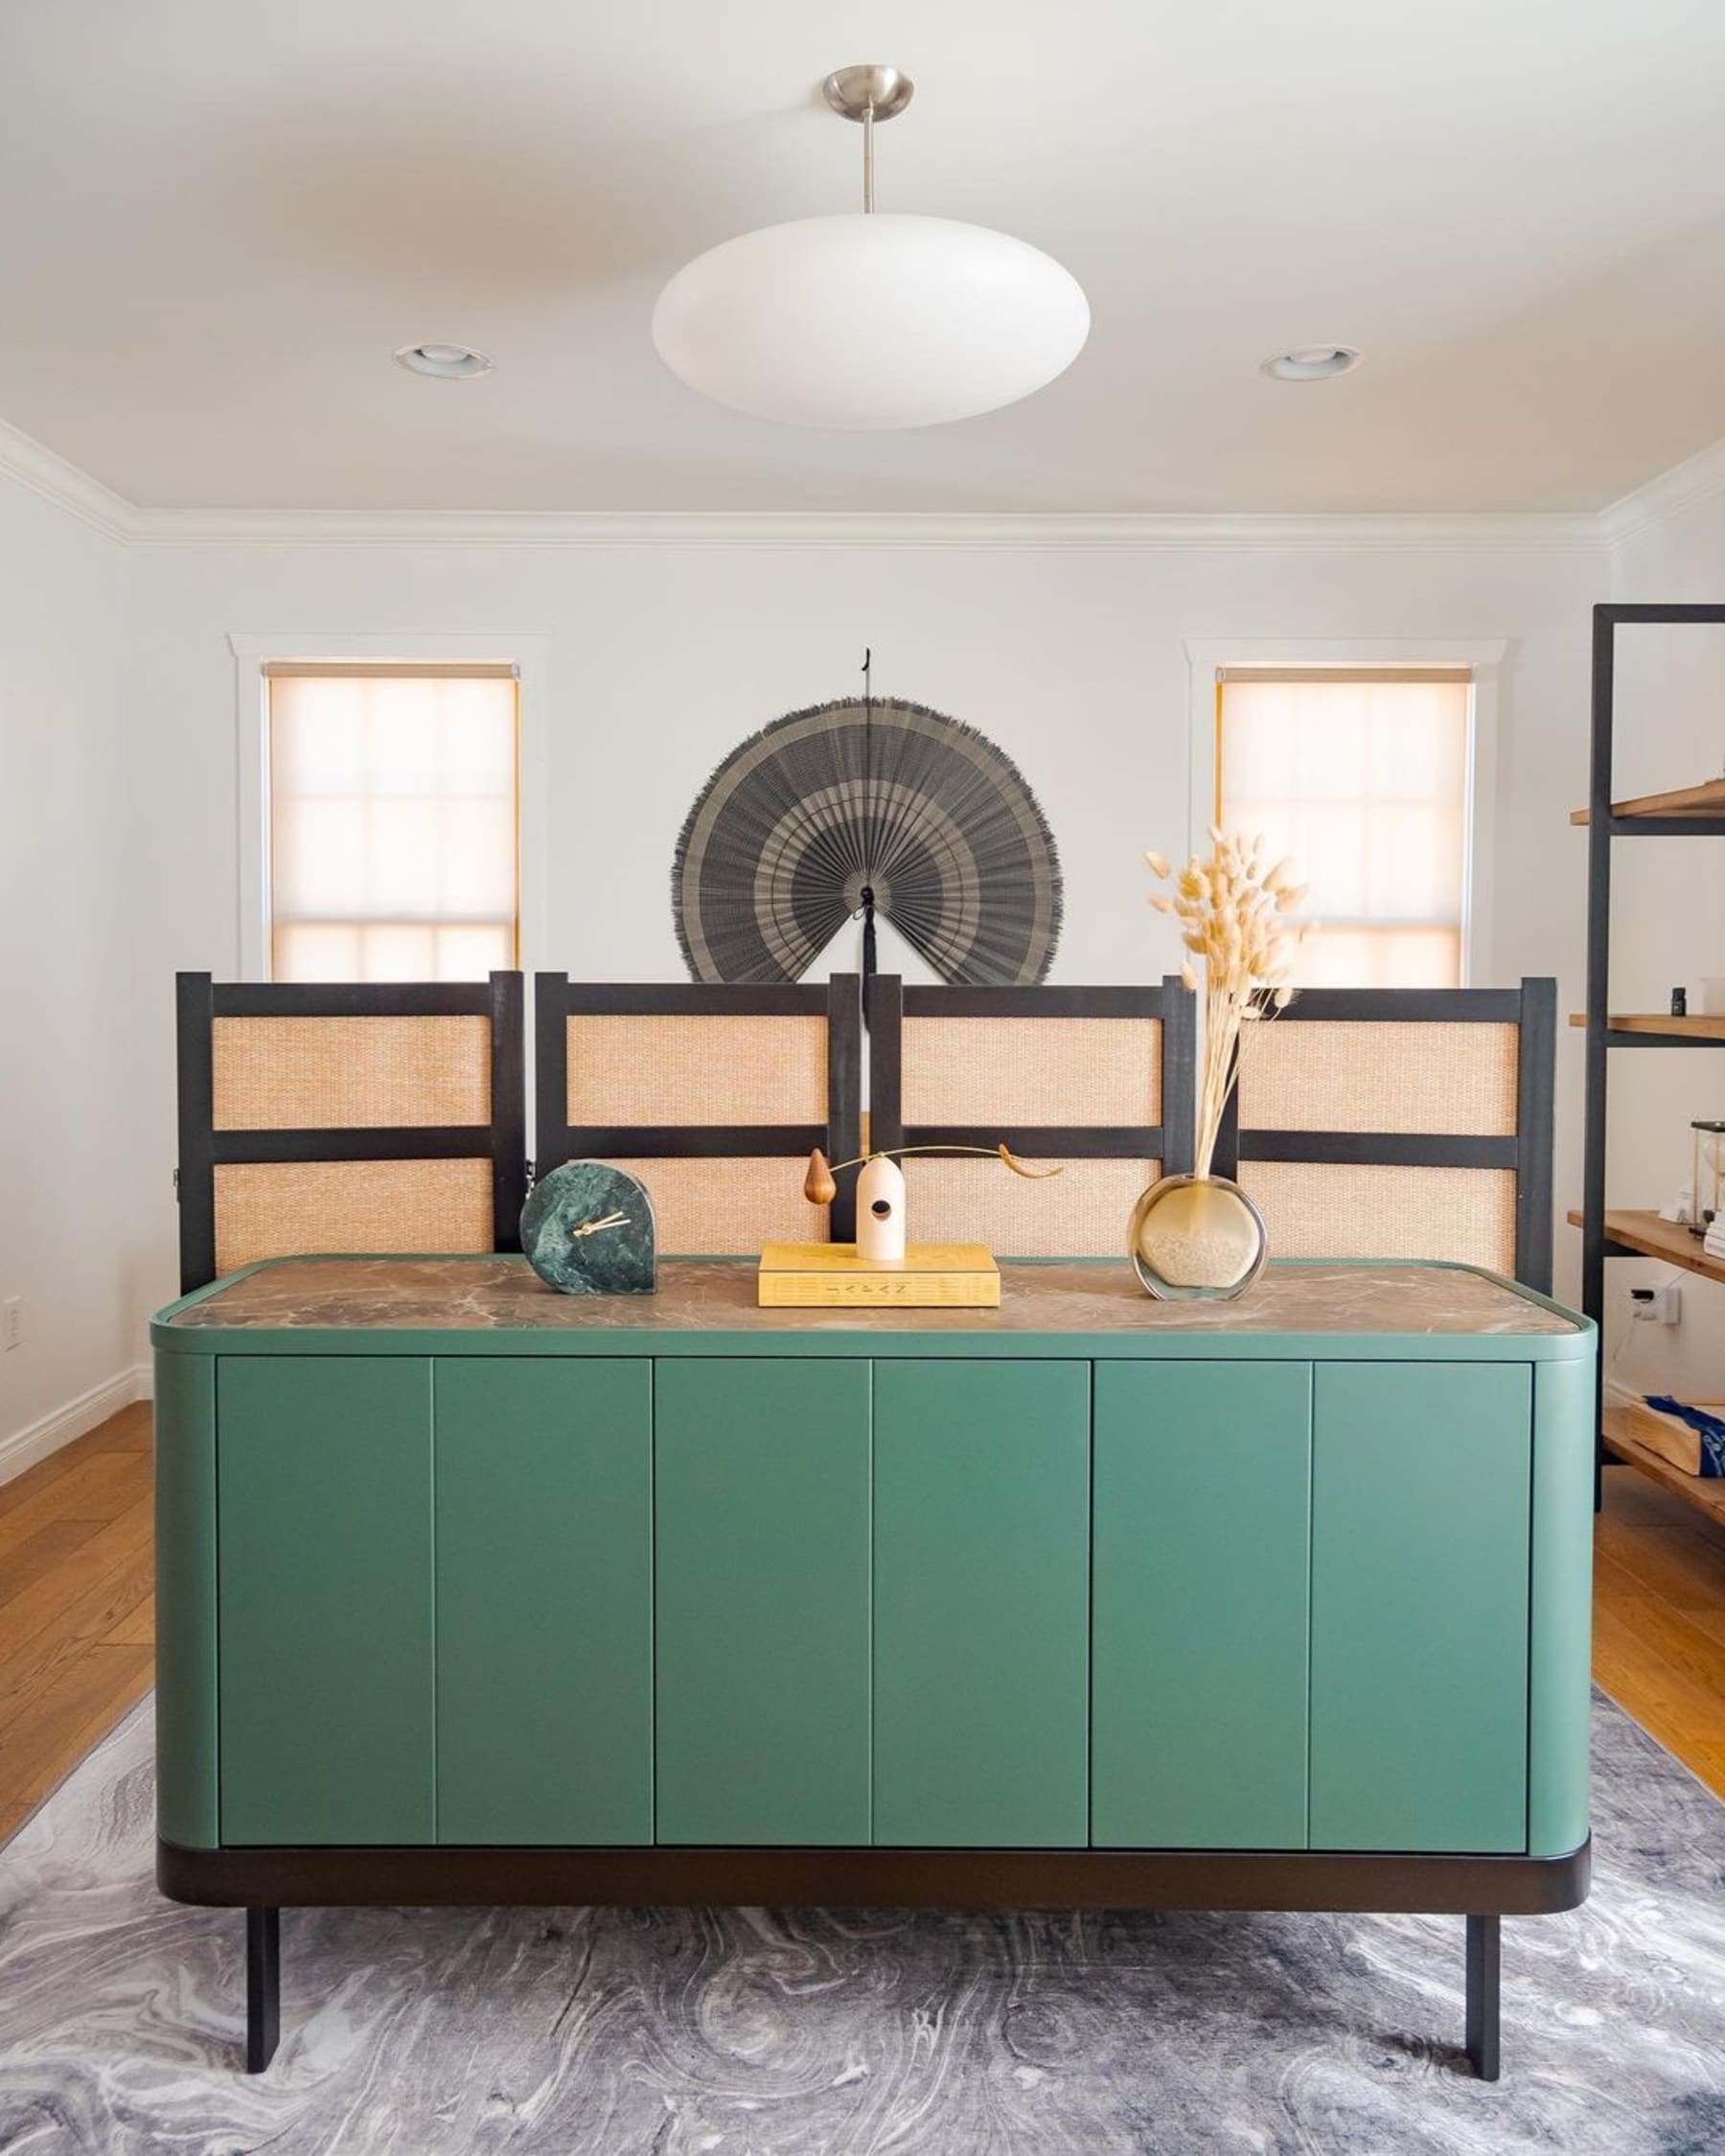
x,y
981,1603
1203,1487
1420,1476
544,1599
325,1627
761,1484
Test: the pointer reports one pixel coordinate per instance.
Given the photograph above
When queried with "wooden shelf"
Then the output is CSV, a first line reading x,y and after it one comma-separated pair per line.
x,y
1708,799
1667,1240
1661,1024
1706,1493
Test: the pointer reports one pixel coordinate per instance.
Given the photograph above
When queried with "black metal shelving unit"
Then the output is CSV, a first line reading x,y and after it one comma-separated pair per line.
x,y
1687,812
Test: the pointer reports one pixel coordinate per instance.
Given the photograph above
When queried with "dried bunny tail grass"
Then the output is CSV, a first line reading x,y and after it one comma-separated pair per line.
x,y
1231,910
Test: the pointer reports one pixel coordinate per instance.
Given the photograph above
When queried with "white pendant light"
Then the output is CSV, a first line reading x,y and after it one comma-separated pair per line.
x,y
866,321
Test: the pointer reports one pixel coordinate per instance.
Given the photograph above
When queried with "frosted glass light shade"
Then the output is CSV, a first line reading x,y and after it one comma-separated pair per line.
x,y
870,321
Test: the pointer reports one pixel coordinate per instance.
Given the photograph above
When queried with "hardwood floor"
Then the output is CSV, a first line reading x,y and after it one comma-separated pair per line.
x,y
1659,1618
76,1640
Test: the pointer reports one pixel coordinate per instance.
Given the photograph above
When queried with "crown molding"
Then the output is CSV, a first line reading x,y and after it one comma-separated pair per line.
x,y
36,465
1515,532
1685,486
48,474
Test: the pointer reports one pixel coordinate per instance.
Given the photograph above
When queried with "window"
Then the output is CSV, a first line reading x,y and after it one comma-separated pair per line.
x,y
1363,777
391,806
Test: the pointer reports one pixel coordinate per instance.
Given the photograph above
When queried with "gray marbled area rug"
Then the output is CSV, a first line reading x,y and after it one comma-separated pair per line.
x,y
835,2032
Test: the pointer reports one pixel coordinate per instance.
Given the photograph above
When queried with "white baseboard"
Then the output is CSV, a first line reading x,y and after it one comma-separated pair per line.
x,y
37,1439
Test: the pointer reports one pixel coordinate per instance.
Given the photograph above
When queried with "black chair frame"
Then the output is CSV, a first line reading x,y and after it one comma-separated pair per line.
x,y
200,1002
555,999
1169,1141
1532,1008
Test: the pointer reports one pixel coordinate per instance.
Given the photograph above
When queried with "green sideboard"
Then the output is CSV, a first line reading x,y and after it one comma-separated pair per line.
x,y
471,1591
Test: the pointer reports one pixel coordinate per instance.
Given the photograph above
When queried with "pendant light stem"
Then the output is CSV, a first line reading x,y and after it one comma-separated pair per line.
x,y
869,159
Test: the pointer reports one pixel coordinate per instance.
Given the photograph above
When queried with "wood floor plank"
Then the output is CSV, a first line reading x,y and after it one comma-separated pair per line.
x,y
36,1478
65,1718
1707,1763
128,1431
30,1674
99,1487
77,1599
1685,1640
139,1628
40,1555
1637,1502
1685,1715
1665,1556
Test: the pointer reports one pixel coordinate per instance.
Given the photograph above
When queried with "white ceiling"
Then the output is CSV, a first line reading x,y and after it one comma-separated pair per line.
x,y
217,222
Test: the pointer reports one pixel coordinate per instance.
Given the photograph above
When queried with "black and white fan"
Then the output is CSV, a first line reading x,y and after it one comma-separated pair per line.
x,y
861,808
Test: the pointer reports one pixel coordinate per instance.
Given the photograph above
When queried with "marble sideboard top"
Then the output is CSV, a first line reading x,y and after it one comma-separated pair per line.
x,y
503,1294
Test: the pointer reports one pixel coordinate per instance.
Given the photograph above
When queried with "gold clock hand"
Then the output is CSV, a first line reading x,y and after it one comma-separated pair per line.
x,y
593,1226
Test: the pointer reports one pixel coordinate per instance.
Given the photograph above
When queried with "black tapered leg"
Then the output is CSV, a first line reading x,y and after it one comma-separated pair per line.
x,y
264,1986
1483,1995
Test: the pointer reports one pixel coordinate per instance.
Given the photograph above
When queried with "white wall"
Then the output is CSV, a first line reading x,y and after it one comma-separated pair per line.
x,y
1669,924
69,1240
663,655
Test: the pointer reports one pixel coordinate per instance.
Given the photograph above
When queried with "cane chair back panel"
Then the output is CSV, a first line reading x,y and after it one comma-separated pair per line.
x,y
349,1073
1337,1210
714,1096
1097,1081
727,1207
695,1067
1410,1123
348,1116
289,1208
1081,1212
1336,1075
1024,1072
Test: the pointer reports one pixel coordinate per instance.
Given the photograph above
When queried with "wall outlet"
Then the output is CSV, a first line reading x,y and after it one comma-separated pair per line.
x,y
12,1322
1658,1307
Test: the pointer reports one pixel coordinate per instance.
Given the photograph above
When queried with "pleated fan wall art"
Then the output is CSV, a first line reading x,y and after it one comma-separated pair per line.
x,y
863,808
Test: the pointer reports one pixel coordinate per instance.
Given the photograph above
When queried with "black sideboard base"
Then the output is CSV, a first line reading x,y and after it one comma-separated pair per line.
x,y
1482,1889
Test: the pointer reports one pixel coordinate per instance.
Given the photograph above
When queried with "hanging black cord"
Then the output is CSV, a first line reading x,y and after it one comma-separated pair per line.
x,y
868,823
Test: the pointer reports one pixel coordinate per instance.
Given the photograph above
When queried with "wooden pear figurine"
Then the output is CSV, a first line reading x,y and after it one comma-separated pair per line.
x,y
819,1186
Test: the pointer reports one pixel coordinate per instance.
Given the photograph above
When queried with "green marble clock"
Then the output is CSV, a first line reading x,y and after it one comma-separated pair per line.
x,y
587,1229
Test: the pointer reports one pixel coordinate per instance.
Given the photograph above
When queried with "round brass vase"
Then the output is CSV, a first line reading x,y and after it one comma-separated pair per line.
x,y
1196,1239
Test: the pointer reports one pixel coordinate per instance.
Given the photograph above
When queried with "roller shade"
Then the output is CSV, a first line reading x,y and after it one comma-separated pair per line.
x,y
393,821
1362,778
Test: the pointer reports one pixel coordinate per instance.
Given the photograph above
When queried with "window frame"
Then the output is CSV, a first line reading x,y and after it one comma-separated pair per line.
x,y
1482,657
252,653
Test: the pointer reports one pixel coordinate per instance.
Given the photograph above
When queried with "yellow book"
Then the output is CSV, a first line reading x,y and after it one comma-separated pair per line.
x,y
832,1276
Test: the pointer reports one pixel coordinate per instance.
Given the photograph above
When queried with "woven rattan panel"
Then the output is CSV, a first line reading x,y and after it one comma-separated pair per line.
x,y
345,1073
1021,1072
694,1068
730,1207
1082,1213
1313,1075
1316,1212
280,1208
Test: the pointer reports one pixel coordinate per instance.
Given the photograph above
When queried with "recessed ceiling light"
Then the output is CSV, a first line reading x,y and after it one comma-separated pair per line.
x,y
1312,362
449,362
